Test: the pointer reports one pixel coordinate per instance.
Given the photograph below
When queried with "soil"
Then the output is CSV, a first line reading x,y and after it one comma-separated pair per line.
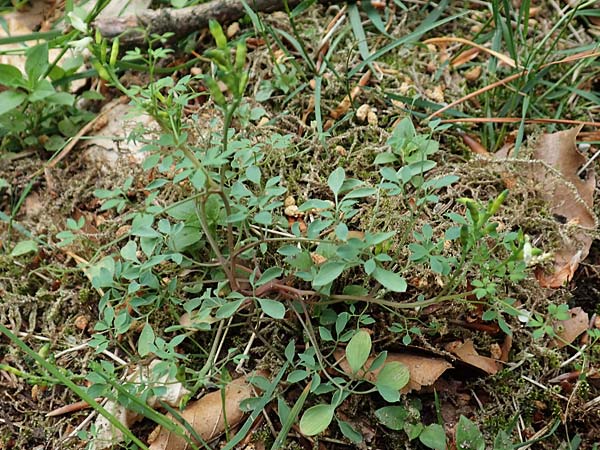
x,y
49,301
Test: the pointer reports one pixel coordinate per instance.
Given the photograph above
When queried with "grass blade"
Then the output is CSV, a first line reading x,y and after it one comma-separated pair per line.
x,y
291,419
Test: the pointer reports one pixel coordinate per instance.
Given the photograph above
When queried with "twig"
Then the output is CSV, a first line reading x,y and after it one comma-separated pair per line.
x,y
181,22
568,59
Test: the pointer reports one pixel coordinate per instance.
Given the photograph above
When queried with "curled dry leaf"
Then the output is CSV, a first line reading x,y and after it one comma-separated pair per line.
x,y
317,258
506,346
466,353
206,415
571,198
345,104
568,330
424,370
473,73
465,57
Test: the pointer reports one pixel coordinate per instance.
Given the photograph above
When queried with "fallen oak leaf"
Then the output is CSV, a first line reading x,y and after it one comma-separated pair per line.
x,y
206,415
571,198
465,351
424,371
108,435
569,329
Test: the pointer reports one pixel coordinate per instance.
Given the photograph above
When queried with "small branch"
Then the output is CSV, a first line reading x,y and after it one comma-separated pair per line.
x,y
133,30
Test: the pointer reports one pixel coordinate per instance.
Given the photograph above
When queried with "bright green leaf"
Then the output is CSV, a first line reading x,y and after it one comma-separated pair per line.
x,y
11,76
37,61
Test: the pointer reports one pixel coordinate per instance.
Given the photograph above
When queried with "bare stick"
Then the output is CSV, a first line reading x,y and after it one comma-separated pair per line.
x,y
182,22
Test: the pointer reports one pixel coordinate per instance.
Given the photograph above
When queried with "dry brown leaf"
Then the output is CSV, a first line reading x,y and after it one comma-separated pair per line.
x,y
206,415
473,73
424,370
571,199
345,104
18,23
105,147
568,330
466,352
465,57
475,145
506,346
107,435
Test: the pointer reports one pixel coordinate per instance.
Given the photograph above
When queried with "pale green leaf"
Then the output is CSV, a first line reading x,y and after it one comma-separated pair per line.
x,y
336,179
358,350
316,419
433,436
328,272
394,375
9,100
392,417
390,280
24,247
272,308
146,341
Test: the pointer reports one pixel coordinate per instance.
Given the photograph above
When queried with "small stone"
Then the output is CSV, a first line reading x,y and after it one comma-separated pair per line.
x,y
289,201
372,118
233,29
292,211
436,94
404,88
81,322
362,112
